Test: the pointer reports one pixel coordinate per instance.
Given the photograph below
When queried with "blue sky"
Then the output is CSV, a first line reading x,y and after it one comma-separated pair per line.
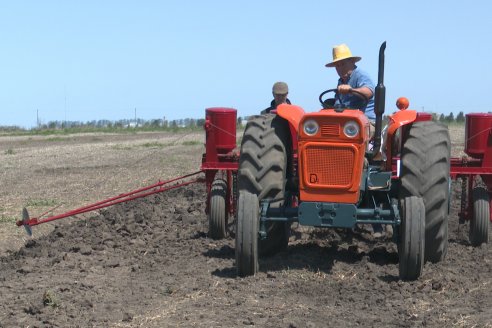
x,y
90,60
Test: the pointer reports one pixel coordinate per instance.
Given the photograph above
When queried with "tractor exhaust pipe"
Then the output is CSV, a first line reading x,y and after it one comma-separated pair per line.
x,y
379,102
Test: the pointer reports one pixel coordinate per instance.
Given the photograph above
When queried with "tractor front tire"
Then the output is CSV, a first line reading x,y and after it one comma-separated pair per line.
x,y
217,216
479,224
412,238
425,164
247,234
263,167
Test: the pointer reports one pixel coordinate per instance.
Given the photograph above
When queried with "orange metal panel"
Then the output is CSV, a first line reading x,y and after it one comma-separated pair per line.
x,y
334,196
330,163
330,129
291,113
330,172
396,121
331,125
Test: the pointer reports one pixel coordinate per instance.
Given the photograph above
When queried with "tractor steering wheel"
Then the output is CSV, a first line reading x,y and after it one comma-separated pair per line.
x,y
330,102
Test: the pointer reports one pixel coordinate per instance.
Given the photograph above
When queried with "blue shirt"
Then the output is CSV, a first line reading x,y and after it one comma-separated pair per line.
x,y
358,79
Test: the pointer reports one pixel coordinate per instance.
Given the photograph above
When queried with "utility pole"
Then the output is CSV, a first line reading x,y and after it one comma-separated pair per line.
x,y
37,118
65,93
135,117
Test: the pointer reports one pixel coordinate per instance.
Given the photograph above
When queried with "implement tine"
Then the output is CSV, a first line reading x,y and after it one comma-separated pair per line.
x,y
25,221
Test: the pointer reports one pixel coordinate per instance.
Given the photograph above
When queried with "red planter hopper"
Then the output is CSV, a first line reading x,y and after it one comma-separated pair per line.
x,y
477,131
222,122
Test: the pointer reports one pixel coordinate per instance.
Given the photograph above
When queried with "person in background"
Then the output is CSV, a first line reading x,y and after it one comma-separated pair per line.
x,y
280,91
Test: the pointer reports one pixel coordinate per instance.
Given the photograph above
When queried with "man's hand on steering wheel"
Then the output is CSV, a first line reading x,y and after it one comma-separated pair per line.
x,y
341,89
344,89
363,92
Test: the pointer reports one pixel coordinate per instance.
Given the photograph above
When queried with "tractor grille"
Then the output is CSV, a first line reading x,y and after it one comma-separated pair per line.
x,y
330,165
330,129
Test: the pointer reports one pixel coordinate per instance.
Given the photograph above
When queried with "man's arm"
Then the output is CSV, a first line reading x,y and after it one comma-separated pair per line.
x,y
345,88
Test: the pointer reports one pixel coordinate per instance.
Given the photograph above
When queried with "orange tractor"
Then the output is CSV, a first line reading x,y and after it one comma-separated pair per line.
x,y
322,169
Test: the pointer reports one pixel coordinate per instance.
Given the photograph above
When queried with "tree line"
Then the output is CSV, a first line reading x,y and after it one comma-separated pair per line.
x,y
118,124
165,124
460,118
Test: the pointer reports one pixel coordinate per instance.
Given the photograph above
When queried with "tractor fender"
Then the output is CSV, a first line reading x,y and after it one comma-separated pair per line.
x,y
396,121
399,119
292,114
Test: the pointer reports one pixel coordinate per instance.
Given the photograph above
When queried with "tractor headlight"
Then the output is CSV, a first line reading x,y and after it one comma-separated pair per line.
x,y
351,129
311,127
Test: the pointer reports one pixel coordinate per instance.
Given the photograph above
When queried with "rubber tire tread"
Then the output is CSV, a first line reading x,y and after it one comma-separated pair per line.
x,y
425,164
247,234
263,166
411,248
217,217
479,224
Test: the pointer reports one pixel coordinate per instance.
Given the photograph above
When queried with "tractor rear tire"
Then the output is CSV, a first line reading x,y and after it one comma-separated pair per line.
x,y
263,167
411,246
425,164
217,216
247,234
479,224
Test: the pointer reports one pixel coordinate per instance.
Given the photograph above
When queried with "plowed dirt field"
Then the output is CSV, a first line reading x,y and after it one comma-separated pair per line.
x,y
149,262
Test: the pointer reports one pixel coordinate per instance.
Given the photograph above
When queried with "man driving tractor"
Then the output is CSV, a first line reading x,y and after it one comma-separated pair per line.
x,y
352,78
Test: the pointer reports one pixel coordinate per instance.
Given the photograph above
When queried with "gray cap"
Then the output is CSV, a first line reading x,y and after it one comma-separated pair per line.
x,y
280,88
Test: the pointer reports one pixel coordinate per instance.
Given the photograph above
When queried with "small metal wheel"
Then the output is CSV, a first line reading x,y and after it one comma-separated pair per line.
x,y
479,224
412,238
247,226
217,216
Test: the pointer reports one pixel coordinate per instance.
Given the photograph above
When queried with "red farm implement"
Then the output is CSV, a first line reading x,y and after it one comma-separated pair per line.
x,y
219,164
475,172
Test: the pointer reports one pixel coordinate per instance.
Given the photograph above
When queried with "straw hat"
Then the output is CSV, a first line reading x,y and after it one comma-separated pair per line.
x,y
341,52
280,88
